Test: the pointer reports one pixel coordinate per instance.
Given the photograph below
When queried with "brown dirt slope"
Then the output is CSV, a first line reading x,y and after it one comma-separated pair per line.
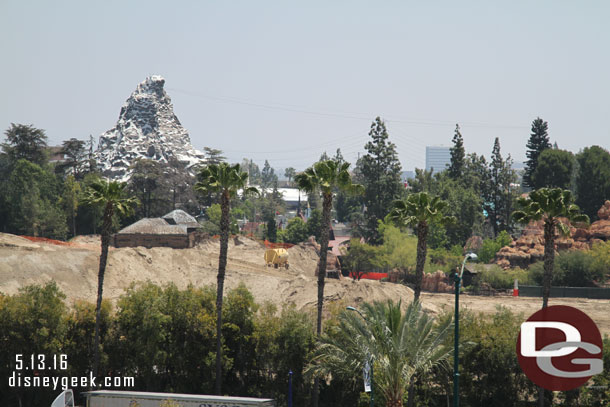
x,y
74,268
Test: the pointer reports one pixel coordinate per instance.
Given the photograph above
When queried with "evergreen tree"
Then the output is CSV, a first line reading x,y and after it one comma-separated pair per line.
x,y
71,195
253,170
268,176
25,142
497,191
554,170
214,155
456,169
289,173
593,179
271,234
74,153
379,172
538,142
339,157
90,156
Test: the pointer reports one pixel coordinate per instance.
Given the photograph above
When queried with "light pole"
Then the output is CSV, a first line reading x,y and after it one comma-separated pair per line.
x,y
370,357
456,345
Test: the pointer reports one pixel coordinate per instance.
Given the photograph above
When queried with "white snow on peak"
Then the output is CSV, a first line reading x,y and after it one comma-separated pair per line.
x,y
147,128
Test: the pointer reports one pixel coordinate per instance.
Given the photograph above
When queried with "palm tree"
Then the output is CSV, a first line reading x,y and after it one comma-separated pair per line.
x,y
556,208
325,176
402,346
224,180
112,197
420,211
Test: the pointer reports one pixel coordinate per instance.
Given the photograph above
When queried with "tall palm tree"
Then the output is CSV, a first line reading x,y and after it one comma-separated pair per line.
x,y
549,205
326,177
402,346
112,197
419,211
223,180
555,207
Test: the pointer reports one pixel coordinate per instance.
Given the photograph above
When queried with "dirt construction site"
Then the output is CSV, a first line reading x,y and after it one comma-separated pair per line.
x,y
74,266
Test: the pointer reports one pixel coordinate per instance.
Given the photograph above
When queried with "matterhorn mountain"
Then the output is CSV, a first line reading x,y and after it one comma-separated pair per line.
x,y
147,129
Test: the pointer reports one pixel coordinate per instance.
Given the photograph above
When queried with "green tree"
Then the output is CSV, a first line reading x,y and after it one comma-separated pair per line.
x,y
214,156
295,232
80,336
268,177
315,224
32,322
326,177
537,143
32,195
148,184
464,199
379,172
549,205
290,173
254,172
361,258
490,247
271,232
555,169
112,196
25,142
498,192
88,218
456,168
225,180
70,199
164,337
75,156
401,346
593,179
419,211
490,374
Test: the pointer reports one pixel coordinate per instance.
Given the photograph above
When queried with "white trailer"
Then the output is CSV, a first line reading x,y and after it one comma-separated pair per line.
x,y
111,398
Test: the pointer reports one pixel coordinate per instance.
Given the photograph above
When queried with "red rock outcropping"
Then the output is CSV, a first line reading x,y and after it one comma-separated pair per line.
x,y
529,248
436,282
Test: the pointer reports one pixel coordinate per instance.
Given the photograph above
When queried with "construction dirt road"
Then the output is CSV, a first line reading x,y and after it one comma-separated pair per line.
x,y
74,268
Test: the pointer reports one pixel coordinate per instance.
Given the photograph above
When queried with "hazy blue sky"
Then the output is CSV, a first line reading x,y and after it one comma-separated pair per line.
x,y
287,80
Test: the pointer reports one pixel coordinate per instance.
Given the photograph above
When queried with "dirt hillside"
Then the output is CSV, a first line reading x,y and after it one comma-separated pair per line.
x,y
74,267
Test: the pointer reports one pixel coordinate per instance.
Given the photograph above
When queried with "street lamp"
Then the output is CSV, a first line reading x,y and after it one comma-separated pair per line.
x,y
456,346
370,357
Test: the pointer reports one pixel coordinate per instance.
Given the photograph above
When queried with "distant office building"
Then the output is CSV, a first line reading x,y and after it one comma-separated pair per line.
x,y
437,157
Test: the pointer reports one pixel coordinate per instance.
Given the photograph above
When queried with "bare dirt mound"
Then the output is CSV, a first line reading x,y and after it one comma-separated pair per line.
x,y
74,268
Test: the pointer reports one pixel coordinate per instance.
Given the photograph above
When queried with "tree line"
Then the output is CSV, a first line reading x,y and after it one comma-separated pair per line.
x,y
164,337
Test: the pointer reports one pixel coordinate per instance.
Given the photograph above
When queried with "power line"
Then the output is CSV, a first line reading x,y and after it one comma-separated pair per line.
x,y
343,115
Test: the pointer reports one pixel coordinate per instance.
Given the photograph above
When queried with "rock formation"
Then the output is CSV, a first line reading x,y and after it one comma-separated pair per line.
x,y
473,244
147,128
436,282
529,248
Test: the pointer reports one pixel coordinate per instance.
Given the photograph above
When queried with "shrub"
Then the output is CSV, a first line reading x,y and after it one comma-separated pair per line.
x,y
572,268
446,260
490,247
491,374
601,255
362,258
503,279
399,247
